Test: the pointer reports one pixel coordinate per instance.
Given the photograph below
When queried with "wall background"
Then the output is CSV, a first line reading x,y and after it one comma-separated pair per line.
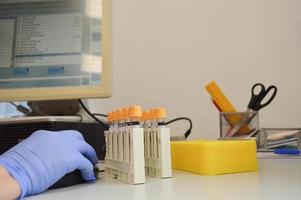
x,y
166,51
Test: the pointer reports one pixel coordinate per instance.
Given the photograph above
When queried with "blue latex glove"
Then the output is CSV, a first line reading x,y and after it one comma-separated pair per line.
x,y
45,157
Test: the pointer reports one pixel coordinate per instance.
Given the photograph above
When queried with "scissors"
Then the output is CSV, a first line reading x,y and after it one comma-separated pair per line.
x,y
255,104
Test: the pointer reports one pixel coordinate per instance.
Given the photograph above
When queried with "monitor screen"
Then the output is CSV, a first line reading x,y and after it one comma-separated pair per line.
x,y
55,49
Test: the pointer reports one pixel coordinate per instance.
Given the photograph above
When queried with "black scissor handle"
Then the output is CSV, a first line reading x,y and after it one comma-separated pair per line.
x,y
257,105
274,92
256,96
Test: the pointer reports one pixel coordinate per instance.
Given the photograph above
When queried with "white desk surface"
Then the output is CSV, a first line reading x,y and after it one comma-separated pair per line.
x,y
276,179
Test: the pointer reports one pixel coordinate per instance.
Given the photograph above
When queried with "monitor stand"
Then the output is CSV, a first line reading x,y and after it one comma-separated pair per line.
x,y
14,130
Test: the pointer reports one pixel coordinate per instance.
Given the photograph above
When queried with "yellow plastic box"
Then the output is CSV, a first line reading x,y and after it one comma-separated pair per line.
x,y
214,157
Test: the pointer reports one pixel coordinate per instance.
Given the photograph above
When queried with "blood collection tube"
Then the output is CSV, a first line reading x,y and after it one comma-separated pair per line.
x,y
120,122
126,135
114,136
109,136
160,116
135,114
146,126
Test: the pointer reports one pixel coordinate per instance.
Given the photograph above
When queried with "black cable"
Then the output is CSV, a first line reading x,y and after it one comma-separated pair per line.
x,y
91,115
188,132
21,108
13,103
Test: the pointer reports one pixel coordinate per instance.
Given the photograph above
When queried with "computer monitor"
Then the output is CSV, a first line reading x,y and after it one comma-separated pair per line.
x,y
55,49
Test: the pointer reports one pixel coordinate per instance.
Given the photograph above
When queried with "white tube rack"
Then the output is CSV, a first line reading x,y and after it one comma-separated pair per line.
x,y
127,164
157,152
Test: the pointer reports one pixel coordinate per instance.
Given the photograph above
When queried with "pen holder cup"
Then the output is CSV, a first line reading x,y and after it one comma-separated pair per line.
x,y
238,124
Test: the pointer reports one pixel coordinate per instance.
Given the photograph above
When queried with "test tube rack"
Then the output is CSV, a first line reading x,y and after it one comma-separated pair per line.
x,y
131,170
125,153
157,152
135,150
157,144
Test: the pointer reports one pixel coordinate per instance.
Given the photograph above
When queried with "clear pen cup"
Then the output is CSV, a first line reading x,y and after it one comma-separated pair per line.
x,y
238,124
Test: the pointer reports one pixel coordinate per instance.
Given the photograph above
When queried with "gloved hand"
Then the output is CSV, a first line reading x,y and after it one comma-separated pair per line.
x,y
45,157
